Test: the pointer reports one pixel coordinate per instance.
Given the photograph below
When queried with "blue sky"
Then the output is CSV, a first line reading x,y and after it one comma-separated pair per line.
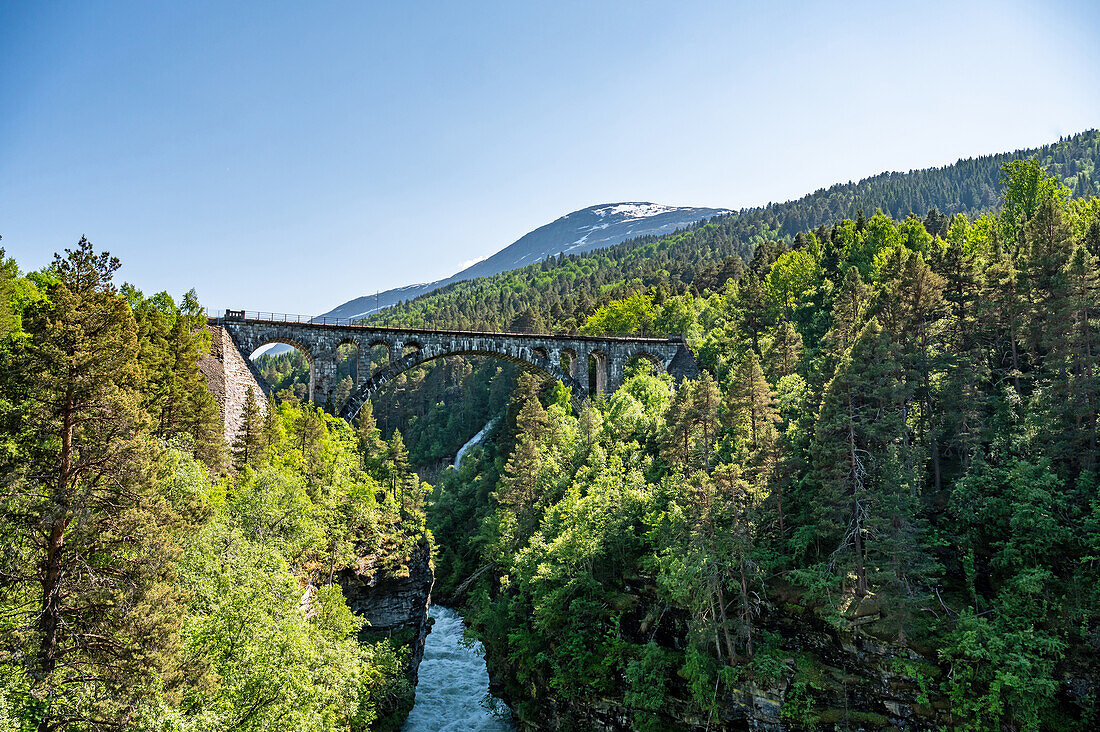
x,y
291,156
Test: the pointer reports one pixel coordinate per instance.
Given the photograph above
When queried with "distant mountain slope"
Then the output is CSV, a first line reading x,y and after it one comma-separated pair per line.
x,y
560,293
969,186
594,227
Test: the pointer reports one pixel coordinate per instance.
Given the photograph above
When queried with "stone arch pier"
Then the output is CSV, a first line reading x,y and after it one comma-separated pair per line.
x,y
589,365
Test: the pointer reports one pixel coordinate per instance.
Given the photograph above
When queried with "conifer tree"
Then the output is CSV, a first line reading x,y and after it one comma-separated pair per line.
x,y
1074,389
784,351
753,307
859,415
94,616
705,403
371,445
522,481
1049,244
911,295
398,470
965,363
590,421
849,304
308,430
251,441
1002,313
676,440
751,405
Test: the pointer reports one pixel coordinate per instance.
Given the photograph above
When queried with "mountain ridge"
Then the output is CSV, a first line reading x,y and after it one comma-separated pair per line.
x,y
968,186
595,227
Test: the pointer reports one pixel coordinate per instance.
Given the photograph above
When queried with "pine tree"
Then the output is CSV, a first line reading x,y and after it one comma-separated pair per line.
x,y
751,413
371,446
859,415
677,438
522,481
849,304
251,441
784,351
1002,313
194,411
1048,247
1074,389
911,298
752,299
96,618
705,403
964,360
751,406
398,471
308,429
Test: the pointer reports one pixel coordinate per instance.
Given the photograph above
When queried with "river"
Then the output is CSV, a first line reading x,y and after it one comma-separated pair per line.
x,y
453,689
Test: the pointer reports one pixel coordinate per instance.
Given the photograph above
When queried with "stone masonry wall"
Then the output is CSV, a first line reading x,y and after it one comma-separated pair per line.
x,y
229,376
565,357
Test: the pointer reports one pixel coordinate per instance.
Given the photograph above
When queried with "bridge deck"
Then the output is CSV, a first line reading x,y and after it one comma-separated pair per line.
x,y
344,324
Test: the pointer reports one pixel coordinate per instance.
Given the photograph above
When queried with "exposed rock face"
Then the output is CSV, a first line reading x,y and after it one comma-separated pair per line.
x,y
395,603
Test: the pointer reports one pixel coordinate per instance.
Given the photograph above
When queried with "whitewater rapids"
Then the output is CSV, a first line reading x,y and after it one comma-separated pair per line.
x,y
453,689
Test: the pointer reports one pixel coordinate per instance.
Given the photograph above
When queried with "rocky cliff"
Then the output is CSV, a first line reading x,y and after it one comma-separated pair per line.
x,y
394,601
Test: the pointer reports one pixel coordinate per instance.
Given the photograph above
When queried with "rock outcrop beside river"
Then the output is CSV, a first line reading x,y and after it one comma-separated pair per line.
x,y
826,679
394,602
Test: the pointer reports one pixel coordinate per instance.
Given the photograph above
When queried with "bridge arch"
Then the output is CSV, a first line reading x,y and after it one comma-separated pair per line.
x,y
383,375
639,354
568,361
300,346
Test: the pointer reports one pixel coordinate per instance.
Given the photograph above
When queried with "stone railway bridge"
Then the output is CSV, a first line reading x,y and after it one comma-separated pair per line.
x,y
589,365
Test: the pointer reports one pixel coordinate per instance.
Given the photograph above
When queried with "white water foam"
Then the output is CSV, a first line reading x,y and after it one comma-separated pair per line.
x,y
453,688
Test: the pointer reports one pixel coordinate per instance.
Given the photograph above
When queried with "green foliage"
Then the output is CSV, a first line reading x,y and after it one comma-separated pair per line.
x,y
142,586
632,314
895,436
904,447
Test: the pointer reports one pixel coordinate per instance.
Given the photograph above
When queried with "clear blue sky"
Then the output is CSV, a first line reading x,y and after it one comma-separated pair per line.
x,y
291,156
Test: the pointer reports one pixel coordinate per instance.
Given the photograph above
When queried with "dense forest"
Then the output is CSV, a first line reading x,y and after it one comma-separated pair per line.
x,y
561,293
885,477
894,440
154,578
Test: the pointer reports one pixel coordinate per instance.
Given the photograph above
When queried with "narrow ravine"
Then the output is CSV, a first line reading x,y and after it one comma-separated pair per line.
x,y
453,690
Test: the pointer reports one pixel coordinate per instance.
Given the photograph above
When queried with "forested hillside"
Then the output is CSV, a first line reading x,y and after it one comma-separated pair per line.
x,y
154,578
561,293
878,506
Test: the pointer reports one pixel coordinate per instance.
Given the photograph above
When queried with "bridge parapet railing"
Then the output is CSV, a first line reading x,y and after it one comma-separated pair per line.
x,y
273,317
280,317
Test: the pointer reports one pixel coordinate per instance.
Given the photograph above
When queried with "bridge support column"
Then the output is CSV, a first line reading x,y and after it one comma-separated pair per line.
x,y
362,365
580,370
323,378
614,374
597,373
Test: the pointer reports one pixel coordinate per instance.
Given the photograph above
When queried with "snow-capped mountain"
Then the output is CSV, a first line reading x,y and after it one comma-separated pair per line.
x,y
590,228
